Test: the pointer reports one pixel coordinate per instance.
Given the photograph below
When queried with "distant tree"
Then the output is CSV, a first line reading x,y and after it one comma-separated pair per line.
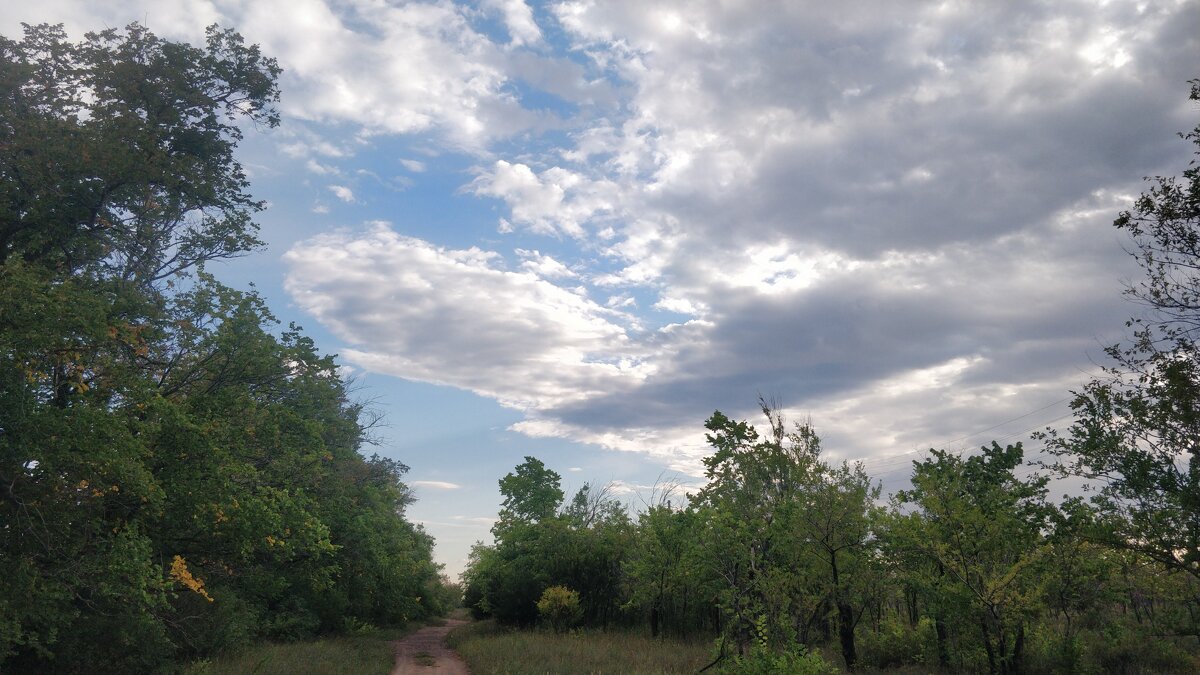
x,y
531,493
1137,428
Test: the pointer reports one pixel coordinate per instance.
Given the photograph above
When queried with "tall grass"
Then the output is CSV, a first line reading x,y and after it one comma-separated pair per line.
x,y
367,654
488,649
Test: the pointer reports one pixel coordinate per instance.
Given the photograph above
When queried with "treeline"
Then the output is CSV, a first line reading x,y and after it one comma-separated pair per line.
x,y
784,556
972,570
178,474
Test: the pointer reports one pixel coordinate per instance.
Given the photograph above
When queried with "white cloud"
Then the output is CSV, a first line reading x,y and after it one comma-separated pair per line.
x,y
421,312
554,201
518,18
320,169
835,197
409,68
343,193
435,484
544,266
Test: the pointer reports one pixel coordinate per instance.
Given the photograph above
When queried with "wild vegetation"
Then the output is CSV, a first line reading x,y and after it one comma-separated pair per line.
x,y
489,648
784,557
179,475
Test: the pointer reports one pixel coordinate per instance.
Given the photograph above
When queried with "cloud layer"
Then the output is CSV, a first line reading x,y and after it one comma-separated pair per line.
x,y
892,217
895,217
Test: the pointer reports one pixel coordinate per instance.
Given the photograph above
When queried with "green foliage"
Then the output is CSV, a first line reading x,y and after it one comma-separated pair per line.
x,y
559,607
179,475
531,493
488,648
795,661
896,643
1137,428
981,530
583,548
787,533
970,570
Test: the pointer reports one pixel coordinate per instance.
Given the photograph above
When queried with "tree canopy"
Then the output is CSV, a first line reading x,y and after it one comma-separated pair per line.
x,y
178,473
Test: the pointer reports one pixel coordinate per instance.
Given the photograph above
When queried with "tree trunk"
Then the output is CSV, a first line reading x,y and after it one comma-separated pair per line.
x,y
1018,650
987,643
939,627
846,633
845,617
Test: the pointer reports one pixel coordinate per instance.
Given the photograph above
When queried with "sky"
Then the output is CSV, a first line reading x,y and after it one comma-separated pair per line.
x,y
573,230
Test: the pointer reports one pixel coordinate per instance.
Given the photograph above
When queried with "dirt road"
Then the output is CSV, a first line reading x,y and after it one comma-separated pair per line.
x,y
425,653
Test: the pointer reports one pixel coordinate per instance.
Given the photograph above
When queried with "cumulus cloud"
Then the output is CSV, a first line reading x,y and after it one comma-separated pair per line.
x,y
894,216
422,312
518,19
555,201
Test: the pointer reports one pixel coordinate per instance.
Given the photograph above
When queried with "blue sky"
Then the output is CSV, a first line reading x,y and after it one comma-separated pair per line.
x,y
574,229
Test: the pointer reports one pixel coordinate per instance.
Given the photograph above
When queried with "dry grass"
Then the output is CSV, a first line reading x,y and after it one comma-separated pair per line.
x,y
488,649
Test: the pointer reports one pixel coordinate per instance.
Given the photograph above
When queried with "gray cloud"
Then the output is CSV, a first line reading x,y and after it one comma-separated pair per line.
x,y
894,216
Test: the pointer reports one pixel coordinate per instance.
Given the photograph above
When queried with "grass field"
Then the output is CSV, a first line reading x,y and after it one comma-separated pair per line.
x,y
368,654
488,649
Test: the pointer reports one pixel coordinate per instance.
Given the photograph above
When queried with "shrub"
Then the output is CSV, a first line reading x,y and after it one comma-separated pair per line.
x,y
559,607
795,661
898,644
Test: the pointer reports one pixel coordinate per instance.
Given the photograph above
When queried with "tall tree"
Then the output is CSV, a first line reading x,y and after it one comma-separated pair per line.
x,y
531,493
177,474
116,153
784,531
982,528
1137,428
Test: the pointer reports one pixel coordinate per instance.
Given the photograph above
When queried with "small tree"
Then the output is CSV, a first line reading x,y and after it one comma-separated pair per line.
x,y
559,607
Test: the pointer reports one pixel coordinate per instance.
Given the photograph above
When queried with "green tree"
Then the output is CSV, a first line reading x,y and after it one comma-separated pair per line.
x,y
785,532
981,528
116,153
1137,429
177,474
531,493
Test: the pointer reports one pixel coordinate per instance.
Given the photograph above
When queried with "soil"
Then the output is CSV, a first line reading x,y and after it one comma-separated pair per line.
x,y
425,653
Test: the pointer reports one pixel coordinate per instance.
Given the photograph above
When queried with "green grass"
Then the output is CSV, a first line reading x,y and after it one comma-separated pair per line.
x,y
488,649
350,655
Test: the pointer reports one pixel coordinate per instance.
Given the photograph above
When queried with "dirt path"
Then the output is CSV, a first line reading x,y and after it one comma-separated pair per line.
x,y
425,652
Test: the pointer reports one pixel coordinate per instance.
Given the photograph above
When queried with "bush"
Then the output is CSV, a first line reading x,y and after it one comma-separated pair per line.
x,y
559,607
1130,649
898,644
795,661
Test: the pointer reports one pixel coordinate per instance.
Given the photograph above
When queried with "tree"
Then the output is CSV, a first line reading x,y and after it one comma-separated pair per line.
x,y
982,528
531,493
1137,428
784,531
116,154
178,474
